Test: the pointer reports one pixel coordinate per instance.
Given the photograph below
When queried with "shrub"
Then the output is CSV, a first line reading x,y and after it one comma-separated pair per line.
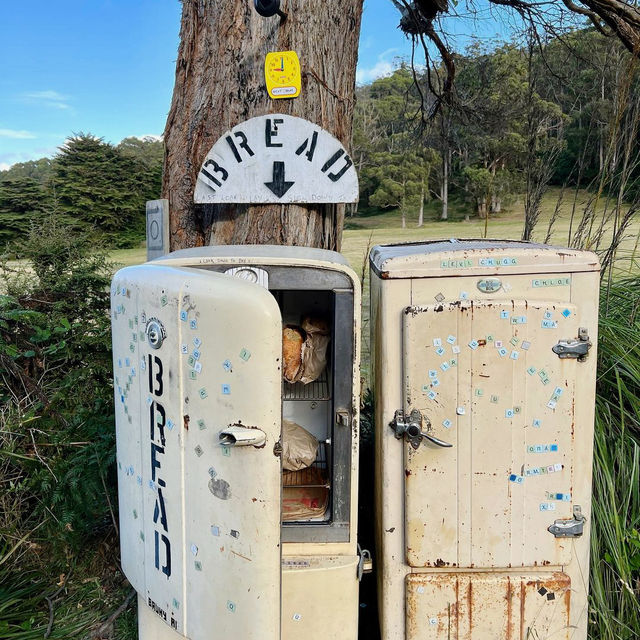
x,y
56,407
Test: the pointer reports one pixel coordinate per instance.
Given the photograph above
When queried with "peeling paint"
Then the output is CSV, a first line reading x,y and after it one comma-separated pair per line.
x,y
220,488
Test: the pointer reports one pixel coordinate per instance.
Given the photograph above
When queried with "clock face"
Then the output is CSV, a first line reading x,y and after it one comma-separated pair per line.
x,y
282,74
283,68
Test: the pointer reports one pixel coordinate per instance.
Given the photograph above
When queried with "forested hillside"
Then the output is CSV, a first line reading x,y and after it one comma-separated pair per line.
x,y
92,185
523,116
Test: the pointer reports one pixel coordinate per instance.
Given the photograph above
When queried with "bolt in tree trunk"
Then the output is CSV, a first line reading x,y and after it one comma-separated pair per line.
x,y
220,83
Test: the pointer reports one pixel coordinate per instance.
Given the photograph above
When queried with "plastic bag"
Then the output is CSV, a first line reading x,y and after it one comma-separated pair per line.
x,y
314,349
304,502
299,447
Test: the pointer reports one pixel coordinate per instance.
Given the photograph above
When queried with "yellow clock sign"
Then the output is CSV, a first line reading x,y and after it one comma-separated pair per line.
x,y
282,73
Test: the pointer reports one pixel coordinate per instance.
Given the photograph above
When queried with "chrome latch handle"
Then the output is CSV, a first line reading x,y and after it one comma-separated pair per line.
x,y
411,427
577,348
440,443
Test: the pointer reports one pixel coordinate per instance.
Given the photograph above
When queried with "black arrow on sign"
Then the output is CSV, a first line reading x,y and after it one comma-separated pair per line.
x,y
278,184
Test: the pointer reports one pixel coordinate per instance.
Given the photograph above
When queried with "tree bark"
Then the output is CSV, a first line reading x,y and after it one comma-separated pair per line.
x,y
482,207
421,211
220,83
444,187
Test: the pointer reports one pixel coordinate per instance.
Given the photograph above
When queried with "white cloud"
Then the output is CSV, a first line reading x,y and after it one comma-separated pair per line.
x,y
149,137
17,135
382,67
48,98
45,95
368,42
4,166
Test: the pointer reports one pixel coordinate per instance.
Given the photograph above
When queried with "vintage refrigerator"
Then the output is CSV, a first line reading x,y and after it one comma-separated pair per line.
x,y
484,373
216,539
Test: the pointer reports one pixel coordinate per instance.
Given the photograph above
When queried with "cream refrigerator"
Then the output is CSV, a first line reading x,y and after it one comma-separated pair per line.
x,y
216,538
484,374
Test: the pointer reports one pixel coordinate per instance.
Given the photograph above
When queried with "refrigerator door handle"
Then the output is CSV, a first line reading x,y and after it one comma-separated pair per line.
x,y
434,440
411,426
240,436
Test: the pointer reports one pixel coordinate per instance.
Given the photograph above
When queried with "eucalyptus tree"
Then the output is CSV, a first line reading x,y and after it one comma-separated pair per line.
x,y
220,83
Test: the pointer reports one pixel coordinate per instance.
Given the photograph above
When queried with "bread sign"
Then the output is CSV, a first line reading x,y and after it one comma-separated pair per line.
x,y
277,158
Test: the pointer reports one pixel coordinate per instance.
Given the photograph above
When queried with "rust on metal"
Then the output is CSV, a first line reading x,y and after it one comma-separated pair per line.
x,y
509,597
487,606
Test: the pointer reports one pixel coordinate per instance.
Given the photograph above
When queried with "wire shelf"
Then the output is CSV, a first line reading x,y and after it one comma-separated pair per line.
x,y
315,475
306,493
316,390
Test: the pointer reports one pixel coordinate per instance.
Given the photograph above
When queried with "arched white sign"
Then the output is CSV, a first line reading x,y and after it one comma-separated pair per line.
x,y
277,158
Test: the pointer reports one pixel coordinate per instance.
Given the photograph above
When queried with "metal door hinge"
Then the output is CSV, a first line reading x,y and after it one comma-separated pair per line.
x,y
411,426
574,347
365,563
572,528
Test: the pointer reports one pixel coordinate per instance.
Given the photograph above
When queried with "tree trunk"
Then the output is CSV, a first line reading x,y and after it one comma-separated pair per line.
x,y
421,212
444,187
220,83
482,207
354,206
601,127
404,219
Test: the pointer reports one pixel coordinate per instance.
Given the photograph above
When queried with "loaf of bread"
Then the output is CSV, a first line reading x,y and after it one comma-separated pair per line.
x,y
292,341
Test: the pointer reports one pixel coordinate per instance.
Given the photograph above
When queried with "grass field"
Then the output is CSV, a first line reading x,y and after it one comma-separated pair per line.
x,y
371,227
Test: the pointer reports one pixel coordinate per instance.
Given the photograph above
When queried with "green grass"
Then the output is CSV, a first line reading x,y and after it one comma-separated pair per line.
x,y
374,226
381,227
615,541
25,613
72,597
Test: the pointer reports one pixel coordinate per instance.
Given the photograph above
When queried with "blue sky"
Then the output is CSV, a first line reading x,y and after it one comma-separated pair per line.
x,y
107,67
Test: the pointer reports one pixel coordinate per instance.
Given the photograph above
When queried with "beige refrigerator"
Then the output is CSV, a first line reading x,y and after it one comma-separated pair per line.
x,y
235,524
483,376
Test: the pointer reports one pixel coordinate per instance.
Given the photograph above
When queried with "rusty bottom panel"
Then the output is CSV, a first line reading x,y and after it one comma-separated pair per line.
x,y
482,606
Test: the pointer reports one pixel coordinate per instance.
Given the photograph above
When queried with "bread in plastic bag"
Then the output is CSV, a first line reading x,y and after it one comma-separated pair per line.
x,y
314,349
299,447
292,343
304,350
307,501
